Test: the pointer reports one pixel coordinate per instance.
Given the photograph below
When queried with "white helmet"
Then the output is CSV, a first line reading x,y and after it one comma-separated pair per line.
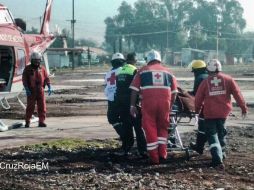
x,y
153,55
117,56
214,65
36,55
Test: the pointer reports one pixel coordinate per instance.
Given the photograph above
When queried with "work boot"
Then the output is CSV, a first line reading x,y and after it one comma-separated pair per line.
x,y
151,162
123,154
220,167
194,146
143,155
42,125
120,130
27,125
163,160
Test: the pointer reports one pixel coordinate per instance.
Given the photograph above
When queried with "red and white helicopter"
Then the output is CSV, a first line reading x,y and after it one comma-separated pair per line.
x,y
15,50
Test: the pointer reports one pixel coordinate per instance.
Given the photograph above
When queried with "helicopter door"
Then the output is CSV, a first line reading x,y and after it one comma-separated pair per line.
x,y
6,68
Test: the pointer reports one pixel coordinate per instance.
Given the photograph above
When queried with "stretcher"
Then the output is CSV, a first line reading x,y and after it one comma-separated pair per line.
x,y
175,143
182,108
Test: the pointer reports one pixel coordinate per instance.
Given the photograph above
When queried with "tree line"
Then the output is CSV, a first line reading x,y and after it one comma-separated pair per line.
x,y
169,25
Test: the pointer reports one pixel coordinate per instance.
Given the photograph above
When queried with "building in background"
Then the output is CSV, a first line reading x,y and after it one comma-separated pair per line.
x,y
189,54
83,56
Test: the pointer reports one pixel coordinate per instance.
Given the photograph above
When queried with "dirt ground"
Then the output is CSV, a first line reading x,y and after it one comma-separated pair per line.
x,y
96,164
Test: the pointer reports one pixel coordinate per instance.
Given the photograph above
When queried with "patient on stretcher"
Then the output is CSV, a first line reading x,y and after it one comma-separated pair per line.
x,y
184,106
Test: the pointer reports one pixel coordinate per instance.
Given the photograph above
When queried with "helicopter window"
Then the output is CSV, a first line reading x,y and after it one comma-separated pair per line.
x,y
21,61
5,17
6,68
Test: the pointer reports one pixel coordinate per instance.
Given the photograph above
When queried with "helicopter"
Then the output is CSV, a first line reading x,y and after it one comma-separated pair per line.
x,y
15,49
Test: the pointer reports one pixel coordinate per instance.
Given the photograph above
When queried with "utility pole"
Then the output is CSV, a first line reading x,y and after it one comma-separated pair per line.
x,y
167,20
40,20
219,19
217,44
73,35
120,44
167,49
89,57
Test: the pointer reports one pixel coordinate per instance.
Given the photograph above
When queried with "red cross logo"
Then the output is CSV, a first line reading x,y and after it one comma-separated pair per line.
x,y
112,79
157,75
216,81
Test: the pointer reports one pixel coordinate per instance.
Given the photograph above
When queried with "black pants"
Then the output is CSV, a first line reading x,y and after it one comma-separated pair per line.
x,y
113,115
201,135
128,123
140,136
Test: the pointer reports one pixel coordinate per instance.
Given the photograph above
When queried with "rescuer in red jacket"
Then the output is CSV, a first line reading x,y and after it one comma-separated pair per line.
x,y
34,79
214,95
157,87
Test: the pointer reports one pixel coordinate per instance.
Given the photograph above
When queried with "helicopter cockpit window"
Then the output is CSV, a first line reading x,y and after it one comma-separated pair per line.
x,y
6,68
5,17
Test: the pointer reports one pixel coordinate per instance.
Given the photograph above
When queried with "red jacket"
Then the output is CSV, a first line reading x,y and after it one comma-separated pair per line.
x,y
214,93
154,81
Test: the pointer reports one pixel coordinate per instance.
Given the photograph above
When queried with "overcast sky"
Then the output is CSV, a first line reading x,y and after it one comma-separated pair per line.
x,y
90,14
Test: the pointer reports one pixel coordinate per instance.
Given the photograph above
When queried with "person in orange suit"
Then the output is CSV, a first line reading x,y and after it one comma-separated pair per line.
x,y
35,78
